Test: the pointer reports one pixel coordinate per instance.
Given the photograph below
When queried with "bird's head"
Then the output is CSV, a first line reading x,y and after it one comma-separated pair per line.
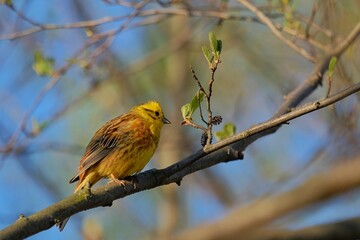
x,y
153,114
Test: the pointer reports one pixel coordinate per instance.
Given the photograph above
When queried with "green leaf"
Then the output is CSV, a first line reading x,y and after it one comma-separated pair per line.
x,y
213,42
228,130
185,111
43,66
207,54
188,109
220,135
219,48
198,98
332,64
215,45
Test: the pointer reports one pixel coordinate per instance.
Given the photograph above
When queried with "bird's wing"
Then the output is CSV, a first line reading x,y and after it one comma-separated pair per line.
x,y
104,141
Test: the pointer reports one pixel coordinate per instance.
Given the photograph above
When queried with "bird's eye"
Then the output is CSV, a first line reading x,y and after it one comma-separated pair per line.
x,y
157,113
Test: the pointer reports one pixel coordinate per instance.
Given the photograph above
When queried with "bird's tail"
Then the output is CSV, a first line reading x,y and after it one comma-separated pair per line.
x,y
80,185
62,224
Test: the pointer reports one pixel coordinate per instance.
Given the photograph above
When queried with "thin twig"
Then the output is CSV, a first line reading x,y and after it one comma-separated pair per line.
x,y
194,125
208,103
207,94
143,13
329,78
301,36
275,31
111,34
315,78
201,112
22,16
311,20
322,29
201,88
198,82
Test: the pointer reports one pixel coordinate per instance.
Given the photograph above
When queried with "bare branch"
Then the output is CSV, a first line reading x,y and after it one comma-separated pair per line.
x,y
144,13
311,20
275,31
260,130
315,79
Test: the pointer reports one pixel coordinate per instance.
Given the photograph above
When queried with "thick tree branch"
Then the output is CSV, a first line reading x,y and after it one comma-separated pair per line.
x,y
248,136
315,79
105,195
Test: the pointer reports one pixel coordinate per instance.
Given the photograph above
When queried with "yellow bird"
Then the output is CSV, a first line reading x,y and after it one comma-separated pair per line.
x,y
121,147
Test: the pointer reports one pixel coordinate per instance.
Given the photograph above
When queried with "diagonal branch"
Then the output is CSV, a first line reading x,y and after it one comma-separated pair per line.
x,y
105,195
263,18
315,78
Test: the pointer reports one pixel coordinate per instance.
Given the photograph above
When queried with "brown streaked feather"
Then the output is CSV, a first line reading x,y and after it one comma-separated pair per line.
x,y
103,142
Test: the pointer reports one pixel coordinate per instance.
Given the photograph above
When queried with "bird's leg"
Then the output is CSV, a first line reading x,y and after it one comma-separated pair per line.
x,y
132,179
118,181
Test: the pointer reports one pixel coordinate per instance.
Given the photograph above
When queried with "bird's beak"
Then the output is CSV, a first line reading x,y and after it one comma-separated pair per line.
x,y
165,120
